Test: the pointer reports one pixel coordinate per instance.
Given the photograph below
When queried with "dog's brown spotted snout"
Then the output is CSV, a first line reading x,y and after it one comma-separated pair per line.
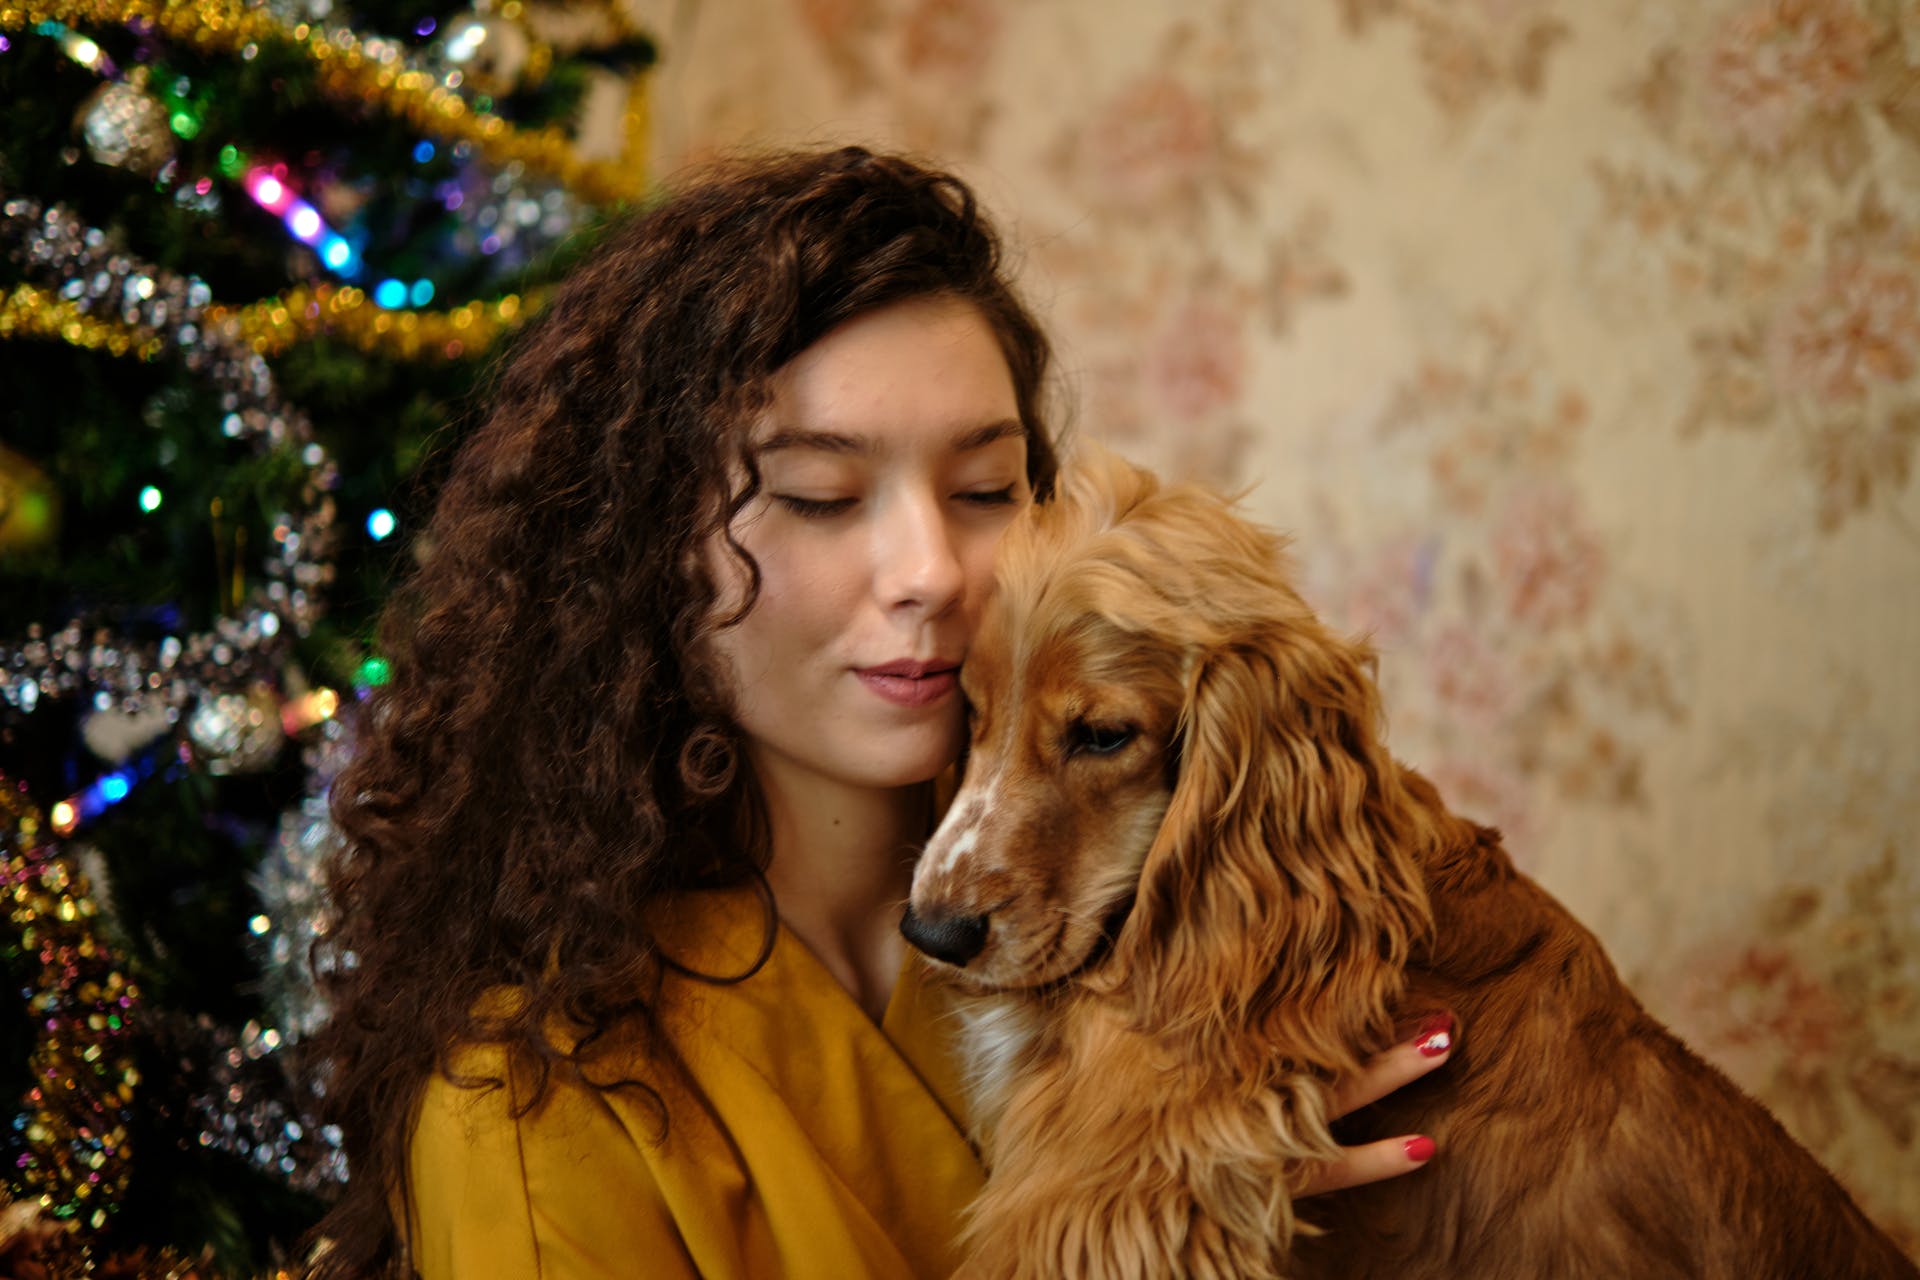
x,y
953,938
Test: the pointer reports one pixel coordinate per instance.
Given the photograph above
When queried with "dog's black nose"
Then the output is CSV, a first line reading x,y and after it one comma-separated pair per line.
x,y
955,939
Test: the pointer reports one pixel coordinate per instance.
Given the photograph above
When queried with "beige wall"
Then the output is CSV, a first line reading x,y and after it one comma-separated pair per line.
x,y
1576,345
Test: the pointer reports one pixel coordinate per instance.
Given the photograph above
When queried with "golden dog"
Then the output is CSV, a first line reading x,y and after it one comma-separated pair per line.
x,y
1189,887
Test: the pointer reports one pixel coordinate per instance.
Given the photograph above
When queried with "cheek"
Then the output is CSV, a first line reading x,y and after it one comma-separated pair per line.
x,y
752,647
799,585
728,572
976,562
808,567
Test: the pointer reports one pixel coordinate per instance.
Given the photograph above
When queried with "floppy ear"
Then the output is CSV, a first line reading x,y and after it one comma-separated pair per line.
x,y
1282,894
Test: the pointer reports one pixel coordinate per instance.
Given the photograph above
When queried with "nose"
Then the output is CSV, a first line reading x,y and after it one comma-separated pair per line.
x,y
955,939
917,561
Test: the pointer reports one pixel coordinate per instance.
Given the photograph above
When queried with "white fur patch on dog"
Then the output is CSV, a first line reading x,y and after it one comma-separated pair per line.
x,y
959,833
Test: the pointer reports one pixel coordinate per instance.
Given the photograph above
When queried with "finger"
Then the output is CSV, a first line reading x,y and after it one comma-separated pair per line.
x,y
1430,1045
1371,1162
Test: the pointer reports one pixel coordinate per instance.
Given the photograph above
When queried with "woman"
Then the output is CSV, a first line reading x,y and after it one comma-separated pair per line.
x,y
628,834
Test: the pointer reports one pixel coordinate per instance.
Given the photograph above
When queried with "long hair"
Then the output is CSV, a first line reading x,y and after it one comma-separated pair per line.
x,y
553,752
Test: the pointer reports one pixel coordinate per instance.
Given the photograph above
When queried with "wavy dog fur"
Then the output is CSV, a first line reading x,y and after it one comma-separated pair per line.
x,y
1208,889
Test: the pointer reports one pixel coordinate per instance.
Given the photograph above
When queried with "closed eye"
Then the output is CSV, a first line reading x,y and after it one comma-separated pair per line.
x,y
990,498
814,508
826,508
1084,738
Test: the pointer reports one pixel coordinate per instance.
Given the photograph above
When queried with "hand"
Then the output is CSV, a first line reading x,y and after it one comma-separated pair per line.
x,y
1406,1062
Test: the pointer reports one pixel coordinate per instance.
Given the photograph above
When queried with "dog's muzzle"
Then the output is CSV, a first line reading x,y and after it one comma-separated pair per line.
x,y
954,939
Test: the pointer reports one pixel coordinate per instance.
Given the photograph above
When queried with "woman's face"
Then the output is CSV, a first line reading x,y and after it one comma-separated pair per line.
x,y
891,458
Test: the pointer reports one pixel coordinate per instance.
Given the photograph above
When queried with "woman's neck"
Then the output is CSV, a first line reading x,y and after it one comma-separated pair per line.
x,y
842,863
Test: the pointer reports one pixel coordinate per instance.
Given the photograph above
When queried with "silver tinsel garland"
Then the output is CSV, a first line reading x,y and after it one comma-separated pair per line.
x,y
246,1096
86,657
245,1092
292,898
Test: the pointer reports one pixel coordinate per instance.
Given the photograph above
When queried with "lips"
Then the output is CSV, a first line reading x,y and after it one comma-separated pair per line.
x,y
909,683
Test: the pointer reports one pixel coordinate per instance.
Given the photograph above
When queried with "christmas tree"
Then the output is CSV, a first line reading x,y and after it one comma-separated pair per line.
x,y
254,259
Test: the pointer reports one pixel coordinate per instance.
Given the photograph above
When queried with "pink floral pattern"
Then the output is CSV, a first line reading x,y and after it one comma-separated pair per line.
x,y
1166,342
1530,685
1470,681
832,21
837,27
925,60
1797,1015
1494,794
1753,1005
1155,141
951,39
1196,363
1804,291
1775,65
1549,563
1388,588
1858,325
1471,51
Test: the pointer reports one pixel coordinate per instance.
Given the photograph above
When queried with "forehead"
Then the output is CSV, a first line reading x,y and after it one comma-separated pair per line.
x,y
928,365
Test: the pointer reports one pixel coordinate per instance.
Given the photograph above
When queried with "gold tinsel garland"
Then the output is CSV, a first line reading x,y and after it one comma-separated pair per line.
x,y
74,1116
275,324
30,312
342,311
347,69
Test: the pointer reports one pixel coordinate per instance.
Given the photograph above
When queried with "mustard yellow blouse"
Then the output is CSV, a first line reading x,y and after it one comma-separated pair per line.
x,y
802,1140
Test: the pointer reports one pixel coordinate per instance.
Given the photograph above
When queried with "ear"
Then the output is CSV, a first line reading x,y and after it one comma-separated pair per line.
x,y
1103,486
1282,896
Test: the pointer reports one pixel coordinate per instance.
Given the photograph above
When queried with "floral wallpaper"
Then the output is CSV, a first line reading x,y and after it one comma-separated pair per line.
x,y
1577,347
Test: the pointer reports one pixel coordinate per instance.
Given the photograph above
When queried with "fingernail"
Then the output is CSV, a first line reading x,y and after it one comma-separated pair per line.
x,y
1420,1150
1435,1035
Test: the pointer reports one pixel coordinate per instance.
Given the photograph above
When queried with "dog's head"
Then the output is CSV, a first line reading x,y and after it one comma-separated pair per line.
x,y
1174,784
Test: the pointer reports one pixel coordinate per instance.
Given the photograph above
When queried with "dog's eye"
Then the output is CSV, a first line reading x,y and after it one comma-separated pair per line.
x,y
1098,739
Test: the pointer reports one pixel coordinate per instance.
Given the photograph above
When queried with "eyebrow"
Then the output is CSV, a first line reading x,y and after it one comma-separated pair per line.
x,y
861,446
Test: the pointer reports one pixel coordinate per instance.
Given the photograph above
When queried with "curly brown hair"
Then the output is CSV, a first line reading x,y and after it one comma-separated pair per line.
x,y
552,753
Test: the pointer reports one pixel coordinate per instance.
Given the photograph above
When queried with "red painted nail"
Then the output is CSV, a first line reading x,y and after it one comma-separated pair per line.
x,y
1435,1035
1420,1150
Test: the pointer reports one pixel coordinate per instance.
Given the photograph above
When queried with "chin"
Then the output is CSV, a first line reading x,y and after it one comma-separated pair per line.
x,y
909,755
902,771
904,764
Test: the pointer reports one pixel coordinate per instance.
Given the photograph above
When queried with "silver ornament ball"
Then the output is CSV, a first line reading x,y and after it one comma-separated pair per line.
x,y
238,732
125,126
490,52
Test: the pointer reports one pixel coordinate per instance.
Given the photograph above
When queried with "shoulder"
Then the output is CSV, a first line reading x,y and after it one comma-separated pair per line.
x,y
506,1178
485,1091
